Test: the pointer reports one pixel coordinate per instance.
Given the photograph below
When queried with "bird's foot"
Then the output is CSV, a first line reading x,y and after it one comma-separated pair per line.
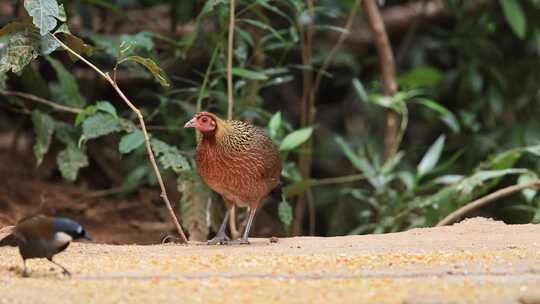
x,y
219,240
25,273
66,273
242,241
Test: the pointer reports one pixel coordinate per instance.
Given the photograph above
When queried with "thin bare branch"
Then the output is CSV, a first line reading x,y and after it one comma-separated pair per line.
x,y
145,133
44,101
388,71
332,54
454,216
230,98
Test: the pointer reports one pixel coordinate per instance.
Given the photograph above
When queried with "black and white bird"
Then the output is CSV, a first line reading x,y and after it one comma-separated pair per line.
x,y
43,237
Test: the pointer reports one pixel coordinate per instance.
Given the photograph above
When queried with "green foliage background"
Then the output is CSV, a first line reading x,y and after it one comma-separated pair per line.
x,y
468,102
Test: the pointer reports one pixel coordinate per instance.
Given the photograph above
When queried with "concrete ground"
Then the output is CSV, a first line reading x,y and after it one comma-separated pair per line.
x,y
476,261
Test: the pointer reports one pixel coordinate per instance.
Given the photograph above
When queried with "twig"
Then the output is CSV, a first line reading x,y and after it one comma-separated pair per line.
x,y
42,101
332,54
230,50
230,99
388,71
307,113
145,133
337,180
452,217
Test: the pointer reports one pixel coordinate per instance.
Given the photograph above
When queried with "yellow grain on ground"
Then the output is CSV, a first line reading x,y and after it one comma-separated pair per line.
x,y
477,261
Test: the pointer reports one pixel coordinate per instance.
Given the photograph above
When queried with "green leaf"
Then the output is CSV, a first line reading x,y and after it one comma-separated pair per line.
x,y
23,47
359,163
106,107
169,157
445,115
48,45
152,67
295,139
274,124
515,16
100,124
430,159
44,129
529,193
285,212
360,90
44,14
70,160
69,89
251,75
208,8
422,76
131,141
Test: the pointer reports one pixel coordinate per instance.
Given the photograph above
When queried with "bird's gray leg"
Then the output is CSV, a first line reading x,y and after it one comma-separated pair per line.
x,y
244,240
64,270
26,272
221,236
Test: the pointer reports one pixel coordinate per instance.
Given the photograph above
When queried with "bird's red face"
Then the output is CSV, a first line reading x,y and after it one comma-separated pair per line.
x,y
202,122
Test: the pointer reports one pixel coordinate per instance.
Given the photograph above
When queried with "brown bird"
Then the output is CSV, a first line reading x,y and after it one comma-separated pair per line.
x,y
238,161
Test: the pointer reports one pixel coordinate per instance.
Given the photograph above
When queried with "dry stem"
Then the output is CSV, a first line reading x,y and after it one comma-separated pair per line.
x,y
452,217
42,100
230,100
388,71
145,133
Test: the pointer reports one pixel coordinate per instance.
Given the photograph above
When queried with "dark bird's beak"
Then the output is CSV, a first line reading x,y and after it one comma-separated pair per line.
x,y
190,124
87,237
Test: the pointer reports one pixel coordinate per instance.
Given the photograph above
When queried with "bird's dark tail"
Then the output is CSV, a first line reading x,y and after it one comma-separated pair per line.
x,y
7,238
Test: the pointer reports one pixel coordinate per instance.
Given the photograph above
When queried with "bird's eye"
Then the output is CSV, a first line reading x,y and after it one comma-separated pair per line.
x,y
204,119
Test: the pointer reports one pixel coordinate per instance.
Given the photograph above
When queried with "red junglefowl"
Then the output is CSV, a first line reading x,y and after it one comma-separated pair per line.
x,y
238,161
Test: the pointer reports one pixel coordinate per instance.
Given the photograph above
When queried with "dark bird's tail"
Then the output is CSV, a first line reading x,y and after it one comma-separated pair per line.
x,y
7,238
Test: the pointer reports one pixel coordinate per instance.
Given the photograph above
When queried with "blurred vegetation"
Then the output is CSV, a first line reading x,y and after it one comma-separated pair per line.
x,y
468,74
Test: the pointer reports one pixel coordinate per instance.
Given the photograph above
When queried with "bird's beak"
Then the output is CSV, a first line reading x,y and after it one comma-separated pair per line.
x,y
87,237
190,124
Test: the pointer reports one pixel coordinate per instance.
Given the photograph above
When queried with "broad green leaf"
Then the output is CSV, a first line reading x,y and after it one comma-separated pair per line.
x,y
44,14
448,179
23,47
360,90
285,212
152,67
48,45
44,129
359,163
295,139
70,160
131,141
274,124
515,16
529,193
169,157
422,76
445,115
106,107
62,16
251,75
208,8
99,125
69,89
430,159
